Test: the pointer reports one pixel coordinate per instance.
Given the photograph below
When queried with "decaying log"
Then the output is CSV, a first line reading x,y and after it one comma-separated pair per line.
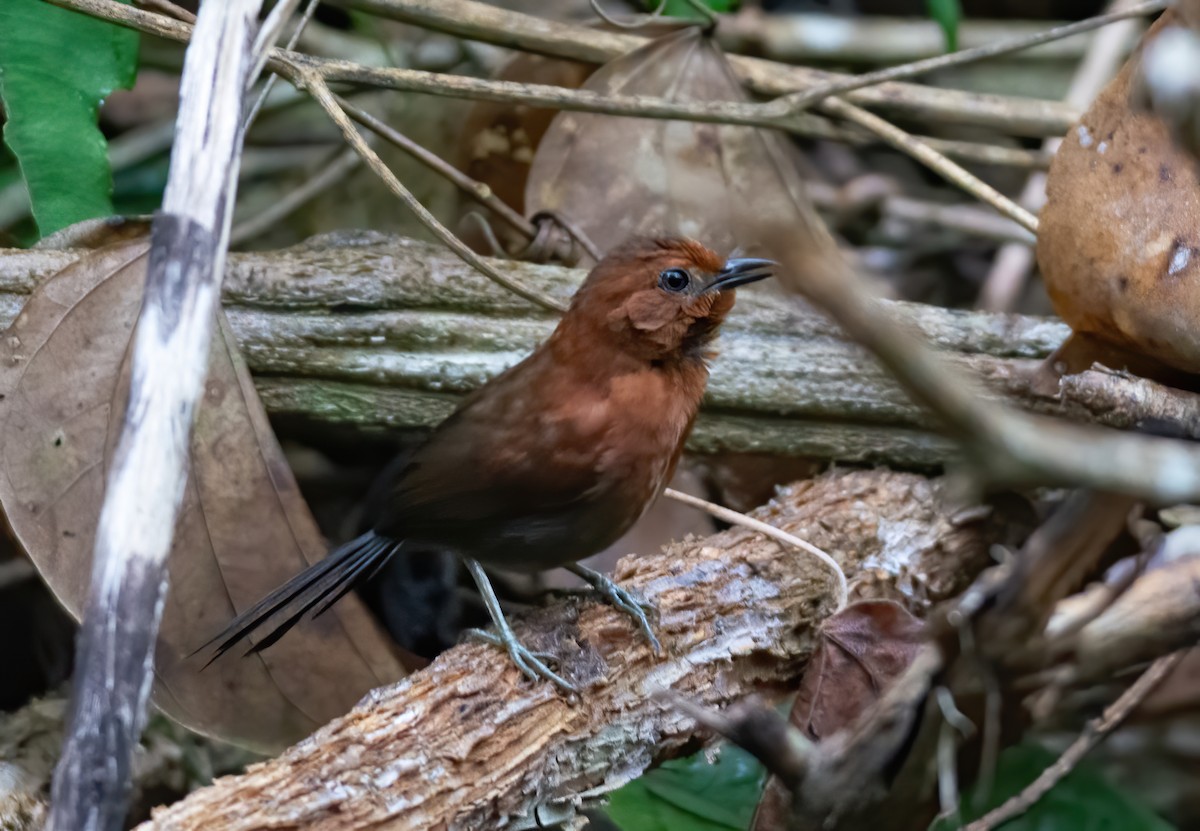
x,y
383,331
467,744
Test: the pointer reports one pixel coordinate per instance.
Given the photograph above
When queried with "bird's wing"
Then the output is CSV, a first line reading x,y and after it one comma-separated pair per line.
x,y
503,459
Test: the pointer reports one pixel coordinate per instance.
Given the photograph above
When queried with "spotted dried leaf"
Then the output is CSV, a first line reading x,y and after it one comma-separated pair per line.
x,y
862,649
1119,237
243,527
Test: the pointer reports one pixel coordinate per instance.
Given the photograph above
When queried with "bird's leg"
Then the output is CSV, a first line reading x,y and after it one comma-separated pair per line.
x,y
528,662
622,599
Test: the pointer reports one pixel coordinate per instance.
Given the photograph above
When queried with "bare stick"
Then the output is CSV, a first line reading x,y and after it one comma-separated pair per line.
x,y
146,479
1006,445
322,95
480,21
726,112
277,17
169,8
762,395
738,518
807,98
476,190
458,86
335,171
932,159
636,22
1091,736
966,218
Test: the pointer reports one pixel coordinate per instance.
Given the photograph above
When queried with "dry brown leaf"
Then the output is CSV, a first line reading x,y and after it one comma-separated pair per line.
x,y
498,139
861,650
243,529
1119,237
617,177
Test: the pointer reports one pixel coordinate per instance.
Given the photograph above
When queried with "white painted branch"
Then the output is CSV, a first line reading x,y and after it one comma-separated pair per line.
x,y
149,469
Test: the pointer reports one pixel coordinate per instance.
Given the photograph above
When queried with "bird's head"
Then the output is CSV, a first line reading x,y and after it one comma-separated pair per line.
x,y
657,298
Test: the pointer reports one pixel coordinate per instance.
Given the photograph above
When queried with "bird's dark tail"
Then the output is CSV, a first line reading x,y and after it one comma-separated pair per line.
x,y
315,589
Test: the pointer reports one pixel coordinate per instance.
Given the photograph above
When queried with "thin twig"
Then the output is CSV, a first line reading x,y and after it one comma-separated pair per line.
x,y
573,231
779,535
634,23
321,93
1007,446
270,30
514,30
932,159
170,9
727,112
802,100
1092,735
269,83
334,171
478,191
966,218
756,728
724,112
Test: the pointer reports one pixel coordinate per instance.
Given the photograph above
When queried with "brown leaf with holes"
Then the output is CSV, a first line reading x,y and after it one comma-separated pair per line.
x,y
243,528
617,177
862,649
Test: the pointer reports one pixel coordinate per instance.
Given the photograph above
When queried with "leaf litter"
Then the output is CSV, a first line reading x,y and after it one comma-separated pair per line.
x,y
243,527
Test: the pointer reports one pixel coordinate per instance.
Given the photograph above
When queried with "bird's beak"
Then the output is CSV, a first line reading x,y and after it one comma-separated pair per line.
x,y
740,271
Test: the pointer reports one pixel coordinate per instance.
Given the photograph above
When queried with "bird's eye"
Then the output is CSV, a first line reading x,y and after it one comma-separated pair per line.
x,y
674,279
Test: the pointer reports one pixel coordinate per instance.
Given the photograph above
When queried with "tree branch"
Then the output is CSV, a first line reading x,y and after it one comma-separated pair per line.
x,y
305,70
480,21
416,327
466,744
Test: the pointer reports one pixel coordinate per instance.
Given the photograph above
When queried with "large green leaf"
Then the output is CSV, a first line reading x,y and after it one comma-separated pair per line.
x,y
692,795
56,66
1083,801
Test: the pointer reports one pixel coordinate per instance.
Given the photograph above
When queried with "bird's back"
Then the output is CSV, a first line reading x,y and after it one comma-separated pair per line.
x,y
552,464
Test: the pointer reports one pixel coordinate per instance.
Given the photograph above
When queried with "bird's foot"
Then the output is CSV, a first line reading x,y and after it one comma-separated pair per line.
x,y
530,663
533,664
624,600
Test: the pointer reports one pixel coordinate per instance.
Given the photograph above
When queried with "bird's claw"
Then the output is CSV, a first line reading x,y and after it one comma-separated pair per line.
x,y
532,664
624,600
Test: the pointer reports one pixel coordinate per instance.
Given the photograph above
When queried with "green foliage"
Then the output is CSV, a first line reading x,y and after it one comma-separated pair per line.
x,y
1083,801
139,189
692,795
687,8
56,66
947,14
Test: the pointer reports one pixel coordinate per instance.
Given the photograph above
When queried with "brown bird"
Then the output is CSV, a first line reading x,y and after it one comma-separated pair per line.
x,y
554,459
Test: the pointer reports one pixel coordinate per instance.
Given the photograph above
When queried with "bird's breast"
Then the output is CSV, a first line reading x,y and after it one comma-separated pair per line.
x,y
654,415
607,448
